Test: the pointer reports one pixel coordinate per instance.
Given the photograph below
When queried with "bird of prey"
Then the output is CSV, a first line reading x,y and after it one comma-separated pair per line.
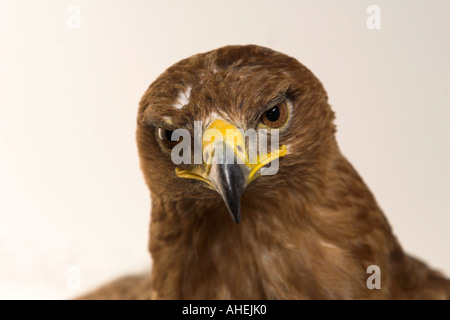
x,y
310,230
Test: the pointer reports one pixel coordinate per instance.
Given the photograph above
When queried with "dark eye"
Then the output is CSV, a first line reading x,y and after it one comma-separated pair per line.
x,y
276,116
166,138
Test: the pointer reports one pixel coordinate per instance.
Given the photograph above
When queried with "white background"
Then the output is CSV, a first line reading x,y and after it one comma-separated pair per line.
x,y
71,192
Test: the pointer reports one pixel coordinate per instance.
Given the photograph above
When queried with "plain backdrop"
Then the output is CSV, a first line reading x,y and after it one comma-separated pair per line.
x,y
71,192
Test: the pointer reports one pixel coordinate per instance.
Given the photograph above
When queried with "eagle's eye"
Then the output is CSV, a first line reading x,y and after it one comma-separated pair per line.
x,y
276,116
166,138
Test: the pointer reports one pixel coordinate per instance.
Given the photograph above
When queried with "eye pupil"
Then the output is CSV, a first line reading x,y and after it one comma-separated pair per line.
x,y
165,137
273,114
169,135
276,116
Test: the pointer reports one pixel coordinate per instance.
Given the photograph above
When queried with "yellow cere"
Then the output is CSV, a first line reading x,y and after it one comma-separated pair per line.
x,y
220,131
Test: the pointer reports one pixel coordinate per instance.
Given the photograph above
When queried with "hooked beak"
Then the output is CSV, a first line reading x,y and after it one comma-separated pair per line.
x,y
226,165
229,179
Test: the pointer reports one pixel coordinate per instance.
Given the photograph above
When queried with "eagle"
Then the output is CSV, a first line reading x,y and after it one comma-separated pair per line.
x,y
296,222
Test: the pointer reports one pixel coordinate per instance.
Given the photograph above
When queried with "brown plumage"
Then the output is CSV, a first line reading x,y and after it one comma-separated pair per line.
x,y
308,232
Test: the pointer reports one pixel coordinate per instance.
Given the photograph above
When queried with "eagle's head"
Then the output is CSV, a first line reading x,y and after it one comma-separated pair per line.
x,y
236,122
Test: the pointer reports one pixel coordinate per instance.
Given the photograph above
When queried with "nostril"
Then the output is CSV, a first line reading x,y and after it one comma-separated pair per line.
x,y
207,155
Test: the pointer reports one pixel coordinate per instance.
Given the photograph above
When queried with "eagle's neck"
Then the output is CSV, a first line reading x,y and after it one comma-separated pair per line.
x,y
297,242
